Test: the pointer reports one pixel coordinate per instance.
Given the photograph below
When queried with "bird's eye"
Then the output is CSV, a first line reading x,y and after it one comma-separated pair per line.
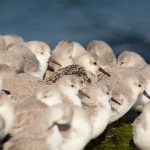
x,y
95,63
122,63
72,85
81,82
42,53
107,93
139,85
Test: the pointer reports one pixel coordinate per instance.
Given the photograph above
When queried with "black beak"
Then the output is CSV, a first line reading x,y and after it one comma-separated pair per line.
x,y
49,128
84,94
103,71
54,61
146,94
112,99
50,68
6,91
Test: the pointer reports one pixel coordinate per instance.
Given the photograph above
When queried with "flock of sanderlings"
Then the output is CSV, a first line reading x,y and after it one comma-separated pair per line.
x,y
61,99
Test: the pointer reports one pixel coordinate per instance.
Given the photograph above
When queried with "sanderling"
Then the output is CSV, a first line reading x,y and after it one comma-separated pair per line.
x,y
43,133
70,88
12,39
143,99
126,91
62,53
7,115
66,52
103,51
141,129
98,106
91,63
25,60
43,55
19,85
74,70
27,109
80,131
131,59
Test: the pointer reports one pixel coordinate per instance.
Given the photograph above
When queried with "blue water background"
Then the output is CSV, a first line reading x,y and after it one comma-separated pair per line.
x,y
124,24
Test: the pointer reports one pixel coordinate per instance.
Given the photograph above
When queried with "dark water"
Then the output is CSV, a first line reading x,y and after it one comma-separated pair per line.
x,y
124,24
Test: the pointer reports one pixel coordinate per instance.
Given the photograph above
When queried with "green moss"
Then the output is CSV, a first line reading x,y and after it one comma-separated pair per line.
x,y
117,136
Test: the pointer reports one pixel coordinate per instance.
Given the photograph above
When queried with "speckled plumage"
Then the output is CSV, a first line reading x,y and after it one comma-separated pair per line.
x,y
75,70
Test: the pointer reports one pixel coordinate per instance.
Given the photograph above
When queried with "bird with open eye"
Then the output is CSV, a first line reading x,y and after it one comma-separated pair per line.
x,y
90,62
70,88
98,106
131,59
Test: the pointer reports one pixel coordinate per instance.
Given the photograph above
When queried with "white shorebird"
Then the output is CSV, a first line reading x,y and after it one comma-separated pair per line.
x,y
70,89
141,129
12,39
66,90
12,59
42,52
90,62
80,131
7,115
103,51
142,99
20,58
19,85
135,61
98,106
28,109
62,53
43,133
126,91
131,59
66,52
117,75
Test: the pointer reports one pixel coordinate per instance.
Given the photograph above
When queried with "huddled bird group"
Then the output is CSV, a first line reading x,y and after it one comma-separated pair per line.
x,y
63,98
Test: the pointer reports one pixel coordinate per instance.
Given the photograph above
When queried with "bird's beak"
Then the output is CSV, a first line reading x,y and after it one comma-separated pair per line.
x,y
83,94
115,101
146,94
51,126
103,71
50,68
54,61
6,91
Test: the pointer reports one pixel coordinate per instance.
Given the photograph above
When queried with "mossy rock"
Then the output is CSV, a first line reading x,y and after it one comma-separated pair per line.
x,y
117,136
